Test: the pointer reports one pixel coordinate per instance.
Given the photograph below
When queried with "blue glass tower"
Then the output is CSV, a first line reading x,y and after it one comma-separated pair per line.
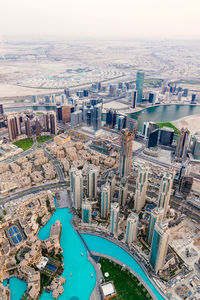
x,y
139,85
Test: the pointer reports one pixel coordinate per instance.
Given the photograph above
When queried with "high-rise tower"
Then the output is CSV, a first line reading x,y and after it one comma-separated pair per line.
x,y
38,127
141,187
92,182
114,217
53,125
165,192
12,128
46,122
28,127
183,144
112,182
159,246
123,190
86,212
131,228
126,152
133,99
105,200
139,85
156,216
97,117
77,187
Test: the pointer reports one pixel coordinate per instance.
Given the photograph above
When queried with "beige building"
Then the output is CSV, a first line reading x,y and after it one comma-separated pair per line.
x,y
141,187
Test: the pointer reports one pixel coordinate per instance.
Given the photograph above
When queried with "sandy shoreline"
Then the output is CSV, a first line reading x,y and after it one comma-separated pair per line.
x,y
191,122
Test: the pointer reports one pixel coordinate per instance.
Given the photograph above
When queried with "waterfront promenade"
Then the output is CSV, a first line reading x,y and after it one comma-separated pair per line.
x,y
126,249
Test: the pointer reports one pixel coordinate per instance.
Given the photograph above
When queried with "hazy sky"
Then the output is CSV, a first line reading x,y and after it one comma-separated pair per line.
x,y
101,19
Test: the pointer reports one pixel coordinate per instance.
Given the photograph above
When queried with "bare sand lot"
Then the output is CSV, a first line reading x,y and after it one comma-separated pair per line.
x,y
191,122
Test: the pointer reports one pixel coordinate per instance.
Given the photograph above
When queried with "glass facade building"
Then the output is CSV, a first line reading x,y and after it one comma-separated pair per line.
x,y
139,85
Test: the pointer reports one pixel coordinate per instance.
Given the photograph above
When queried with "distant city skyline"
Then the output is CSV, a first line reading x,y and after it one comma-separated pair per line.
x,y
152,19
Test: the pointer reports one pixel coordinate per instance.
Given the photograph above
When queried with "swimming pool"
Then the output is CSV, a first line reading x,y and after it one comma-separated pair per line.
x,y
51,267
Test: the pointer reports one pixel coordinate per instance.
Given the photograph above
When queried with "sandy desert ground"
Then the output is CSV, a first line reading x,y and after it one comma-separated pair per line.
x,y
191,122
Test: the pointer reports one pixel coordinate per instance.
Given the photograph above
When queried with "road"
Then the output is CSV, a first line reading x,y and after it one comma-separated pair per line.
x,y
34,190
56,164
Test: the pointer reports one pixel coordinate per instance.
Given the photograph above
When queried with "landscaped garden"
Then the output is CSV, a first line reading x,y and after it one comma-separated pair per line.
x,y
168,124
42,139
128,287
25,144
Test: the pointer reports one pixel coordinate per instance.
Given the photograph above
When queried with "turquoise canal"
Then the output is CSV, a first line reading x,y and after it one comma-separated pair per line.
x,y
164,113
80,285
104,246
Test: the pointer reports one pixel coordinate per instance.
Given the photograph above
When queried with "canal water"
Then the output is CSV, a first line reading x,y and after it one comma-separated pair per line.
x,y
160,113
80,284
164,113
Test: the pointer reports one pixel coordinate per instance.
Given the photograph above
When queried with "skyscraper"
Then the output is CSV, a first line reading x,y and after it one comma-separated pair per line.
x,y
86,212
196,147
185,184
183,143
133,99
165,192
112,182
151,131
28,127
139,85
109,117
67,92
66,113
166,136
92,182
18,124
152,98
71,177
156,216
114,217
47,100
105,200
126,152
97,117
123,190
131,228
53,125
1,109
12,128
121,123
59,113
141,187
152,141
34,99
53,99
46,122
38,127
159,246
131,124
77,189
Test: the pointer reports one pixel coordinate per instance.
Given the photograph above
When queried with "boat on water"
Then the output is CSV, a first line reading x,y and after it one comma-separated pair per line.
x,y
70,274
81,254
91,275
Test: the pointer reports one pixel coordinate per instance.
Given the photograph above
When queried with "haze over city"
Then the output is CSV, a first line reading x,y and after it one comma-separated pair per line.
x,y
171,19
100,150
